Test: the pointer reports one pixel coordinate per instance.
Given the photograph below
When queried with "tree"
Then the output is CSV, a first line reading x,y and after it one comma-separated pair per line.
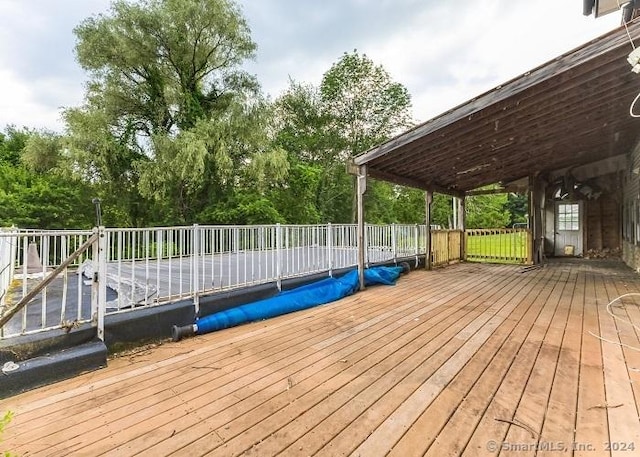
x,y
295,199
42,151
11,144
356,106
486,211
365,107
319,188
162,65
170,117
34,191
204,167
111,163
517,206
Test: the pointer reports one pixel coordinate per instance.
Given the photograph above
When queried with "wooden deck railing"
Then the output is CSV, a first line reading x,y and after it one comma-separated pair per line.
x,y
445,246
498,245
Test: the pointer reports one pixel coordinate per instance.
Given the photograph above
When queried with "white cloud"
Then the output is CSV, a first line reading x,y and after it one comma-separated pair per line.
x,y
446,59
20,106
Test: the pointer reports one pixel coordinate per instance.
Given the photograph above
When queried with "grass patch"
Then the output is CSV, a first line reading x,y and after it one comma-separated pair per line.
x,y
498,248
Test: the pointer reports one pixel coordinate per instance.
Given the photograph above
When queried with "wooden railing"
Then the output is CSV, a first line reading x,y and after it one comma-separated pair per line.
x,y
498,246
445,246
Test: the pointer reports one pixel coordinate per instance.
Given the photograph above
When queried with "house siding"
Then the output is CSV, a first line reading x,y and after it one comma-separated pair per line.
x,y
631,211
602,229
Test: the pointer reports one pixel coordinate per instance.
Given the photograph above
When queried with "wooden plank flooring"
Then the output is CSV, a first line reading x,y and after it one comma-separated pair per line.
x,y
466,360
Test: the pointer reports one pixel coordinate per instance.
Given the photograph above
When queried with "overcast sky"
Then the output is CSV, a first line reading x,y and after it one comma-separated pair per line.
x,y
445,52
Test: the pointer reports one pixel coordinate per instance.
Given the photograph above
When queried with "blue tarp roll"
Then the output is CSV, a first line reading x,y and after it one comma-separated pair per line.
x,y
317,293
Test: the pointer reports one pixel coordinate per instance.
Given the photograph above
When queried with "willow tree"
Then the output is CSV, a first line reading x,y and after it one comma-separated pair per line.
x,y
169,112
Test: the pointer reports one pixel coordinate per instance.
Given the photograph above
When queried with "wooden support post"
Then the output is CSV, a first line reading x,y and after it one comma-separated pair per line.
x,y
532,219
361,189
454,202
428,199
461,227
542,218
536,196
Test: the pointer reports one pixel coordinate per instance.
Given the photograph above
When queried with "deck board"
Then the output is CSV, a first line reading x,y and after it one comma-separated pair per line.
x,y
533,404
622,412
511,386
560,416
422,368
460,406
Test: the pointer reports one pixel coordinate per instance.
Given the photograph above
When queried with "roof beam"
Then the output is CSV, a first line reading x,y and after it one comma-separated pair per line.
x,y
594,169
403,181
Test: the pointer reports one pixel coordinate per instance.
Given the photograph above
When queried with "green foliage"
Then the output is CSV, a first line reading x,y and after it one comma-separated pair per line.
x,y
12,142
33,193
242,209
364,105
302,126
517,206
410,207
42,201
486,211
356,106
171,120
202,167
4,422
173,131
295,199
42,152
158,65
108,161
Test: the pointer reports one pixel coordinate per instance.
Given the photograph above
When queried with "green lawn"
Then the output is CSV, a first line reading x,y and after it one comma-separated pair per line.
x,y
499,248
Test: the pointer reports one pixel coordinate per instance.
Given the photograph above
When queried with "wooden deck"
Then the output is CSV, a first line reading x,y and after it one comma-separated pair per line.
x,y
467,360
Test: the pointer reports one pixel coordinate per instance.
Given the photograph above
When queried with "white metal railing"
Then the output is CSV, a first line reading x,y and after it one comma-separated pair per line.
x,y
8,246
128,268
29,256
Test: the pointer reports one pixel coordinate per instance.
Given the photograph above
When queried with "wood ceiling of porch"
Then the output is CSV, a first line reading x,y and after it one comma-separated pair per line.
x,y
568,112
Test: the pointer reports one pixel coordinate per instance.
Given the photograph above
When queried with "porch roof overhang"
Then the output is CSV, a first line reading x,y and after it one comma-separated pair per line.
x,y
571,111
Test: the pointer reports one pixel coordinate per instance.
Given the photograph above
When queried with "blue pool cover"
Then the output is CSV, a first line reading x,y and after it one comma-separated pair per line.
x,y
314,294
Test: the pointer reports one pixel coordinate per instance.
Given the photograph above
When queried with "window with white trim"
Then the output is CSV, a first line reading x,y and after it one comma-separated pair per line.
x,y
569,216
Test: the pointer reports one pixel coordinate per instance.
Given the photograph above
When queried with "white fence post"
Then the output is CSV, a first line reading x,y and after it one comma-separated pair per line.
x,y
95,253
330,247
367,239
416,240
102,280
14,252
8,251
394,244
195,269
279,256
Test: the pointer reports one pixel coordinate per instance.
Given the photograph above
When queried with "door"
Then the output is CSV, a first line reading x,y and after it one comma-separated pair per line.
x,y
568,237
